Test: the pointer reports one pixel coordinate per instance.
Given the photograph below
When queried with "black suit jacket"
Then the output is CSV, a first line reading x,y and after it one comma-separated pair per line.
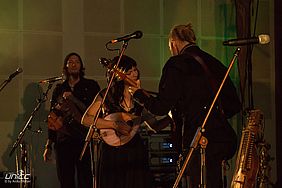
x,y
185,89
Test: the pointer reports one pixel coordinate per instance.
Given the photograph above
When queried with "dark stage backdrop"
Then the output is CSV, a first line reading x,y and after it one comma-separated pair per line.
x,y
278,87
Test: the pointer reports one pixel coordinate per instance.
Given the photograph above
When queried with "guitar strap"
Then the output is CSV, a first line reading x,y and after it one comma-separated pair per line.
x,y
210,78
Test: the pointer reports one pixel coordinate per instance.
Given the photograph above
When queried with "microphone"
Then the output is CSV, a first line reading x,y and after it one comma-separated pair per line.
x,y
135,35
39,130
51,80
18,71
261,39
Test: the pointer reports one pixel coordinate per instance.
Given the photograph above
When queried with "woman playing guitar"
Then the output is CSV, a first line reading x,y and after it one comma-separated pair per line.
x,y
123,160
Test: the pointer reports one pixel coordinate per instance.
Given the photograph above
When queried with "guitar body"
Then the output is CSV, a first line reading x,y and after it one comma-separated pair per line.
x,y
111,137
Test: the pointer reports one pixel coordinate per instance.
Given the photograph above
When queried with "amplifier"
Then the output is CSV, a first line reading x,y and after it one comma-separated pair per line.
x,y
161,150
160,142
162,159
161,145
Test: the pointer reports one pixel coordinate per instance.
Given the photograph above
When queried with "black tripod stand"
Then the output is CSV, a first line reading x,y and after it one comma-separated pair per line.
x,y
23,162
93,133
28,123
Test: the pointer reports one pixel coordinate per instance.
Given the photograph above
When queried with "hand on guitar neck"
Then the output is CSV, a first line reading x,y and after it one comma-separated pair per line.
x,y
134,85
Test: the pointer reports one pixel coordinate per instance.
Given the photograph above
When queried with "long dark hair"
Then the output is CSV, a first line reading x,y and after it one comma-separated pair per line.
x,y
65,68
125,64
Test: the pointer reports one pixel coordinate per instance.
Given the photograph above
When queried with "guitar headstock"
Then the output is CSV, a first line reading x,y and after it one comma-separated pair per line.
x,y
106,62
255,122
255,117
119,73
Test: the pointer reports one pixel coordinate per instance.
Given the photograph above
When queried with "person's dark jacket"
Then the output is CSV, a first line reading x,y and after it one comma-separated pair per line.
x,y
186,90
84,91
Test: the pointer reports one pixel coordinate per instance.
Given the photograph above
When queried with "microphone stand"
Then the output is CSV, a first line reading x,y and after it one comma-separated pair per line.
x,y
3,84
28,123
93,131
198,138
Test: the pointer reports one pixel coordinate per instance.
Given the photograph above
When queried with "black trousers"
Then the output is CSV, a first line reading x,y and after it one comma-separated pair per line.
x,y
215,154
71,171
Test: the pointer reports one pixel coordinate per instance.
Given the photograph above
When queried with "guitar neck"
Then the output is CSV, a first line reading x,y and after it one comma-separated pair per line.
x,y
121,75
134,84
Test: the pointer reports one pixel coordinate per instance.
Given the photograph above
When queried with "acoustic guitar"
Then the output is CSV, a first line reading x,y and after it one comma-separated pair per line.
x,y
111,137
120,74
